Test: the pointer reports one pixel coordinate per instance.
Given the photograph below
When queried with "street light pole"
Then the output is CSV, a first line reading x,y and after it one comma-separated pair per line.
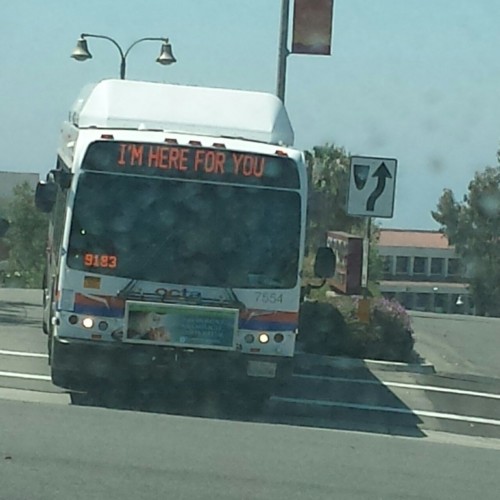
x,y
81,52
283,49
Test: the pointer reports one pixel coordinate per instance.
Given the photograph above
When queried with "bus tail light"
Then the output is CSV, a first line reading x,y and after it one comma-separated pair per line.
x,y
263,338
87,322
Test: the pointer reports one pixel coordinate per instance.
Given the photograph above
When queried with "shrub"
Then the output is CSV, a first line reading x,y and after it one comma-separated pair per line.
x,y
322,328
325,328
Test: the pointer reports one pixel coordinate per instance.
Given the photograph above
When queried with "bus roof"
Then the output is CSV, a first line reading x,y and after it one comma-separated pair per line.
x,y
129,104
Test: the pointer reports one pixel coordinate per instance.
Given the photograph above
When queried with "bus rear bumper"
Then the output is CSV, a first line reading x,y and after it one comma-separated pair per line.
x,y
77,365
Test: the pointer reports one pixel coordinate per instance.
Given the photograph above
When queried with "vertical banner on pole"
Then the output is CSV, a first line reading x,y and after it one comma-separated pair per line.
x,y
312,27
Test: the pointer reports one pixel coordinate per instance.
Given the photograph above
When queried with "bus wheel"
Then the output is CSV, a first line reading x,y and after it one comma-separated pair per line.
x,y
87,399
49,348
80,399
106,397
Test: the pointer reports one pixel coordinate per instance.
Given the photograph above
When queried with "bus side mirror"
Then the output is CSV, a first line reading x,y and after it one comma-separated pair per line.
x,y
4,226
324,263
45,196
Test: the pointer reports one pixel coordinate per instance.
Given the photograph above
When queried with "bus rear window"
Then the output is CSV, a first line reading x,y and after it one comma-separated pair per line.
x,y
185,232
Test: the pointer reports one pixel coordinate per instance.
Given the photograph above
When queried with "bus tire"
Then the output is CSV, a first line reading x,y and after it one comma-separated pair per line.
x,y
49,348
96,396
45,325
60,378
85,399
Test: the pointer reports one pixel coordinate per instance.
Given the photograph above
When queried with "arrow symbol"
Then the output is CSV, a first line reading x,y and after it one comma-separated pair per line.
x,y
383,174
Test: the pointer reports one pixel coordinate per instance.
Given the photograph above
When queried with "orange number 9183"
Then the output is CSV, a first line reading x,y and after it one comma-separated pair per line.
x,y
100,261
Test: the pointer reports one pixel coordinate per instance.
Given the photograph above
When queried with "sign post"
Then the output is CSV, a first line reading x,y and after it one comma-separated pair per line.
x,y
312,33
282,49
364,303
366,253
372,185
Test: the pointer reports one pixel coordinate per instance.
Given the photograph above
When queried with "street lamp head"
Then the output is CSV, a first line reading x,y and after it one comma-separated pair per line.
x,y
166,56
81,52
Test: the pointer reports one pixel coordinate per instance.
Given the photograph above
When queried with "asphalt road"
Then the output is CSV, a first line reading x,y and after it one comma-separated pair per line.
x,y
395,403
459,344
58,452
20,332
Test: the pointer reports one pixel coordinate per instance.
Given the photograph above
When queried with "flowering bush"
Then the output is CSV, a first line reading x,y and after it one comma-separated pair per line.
x,y
336,330
392,326
382,307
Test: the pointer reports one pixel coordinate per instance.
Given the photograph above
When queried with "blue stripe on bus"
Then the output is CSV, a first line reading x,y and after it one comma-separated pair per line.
x,y
99,310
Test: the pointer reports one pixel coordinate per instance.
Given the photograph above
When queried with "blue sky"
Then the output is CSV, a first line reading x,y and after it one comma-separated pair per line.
x,y
413,79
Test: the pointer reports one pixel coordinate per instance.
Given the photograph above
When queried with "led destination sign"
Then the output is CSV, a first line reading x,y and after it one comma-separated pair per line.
x,y
189,162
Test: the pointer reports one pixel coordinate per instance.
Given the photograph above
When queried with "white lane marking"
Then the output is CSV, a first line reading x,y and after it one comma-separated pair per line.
x,y
29,376
401,385
23,354
390,409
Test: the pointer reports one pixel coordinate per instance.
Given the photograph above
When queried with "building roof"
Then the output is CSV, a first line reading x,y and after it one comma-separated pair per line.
x,y
412,238
218,112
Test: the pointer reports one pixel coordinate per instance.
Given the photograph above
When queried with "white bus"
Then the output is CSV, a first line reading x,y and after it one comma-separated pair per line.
x,y
176,238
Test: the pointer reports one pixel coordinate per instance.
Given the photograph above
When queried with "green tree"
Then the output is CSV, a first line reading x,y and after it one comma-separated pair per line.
x,y
26,238
473,227
328,169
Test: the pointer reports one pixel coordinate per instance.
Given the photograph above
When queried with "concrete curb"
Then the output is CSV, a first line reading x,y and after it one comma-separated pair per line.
x,y
307,362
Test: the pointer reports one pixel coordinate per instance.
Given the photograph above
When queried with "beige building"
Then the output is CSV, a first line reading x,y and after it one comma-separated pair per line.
x,y
422,271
